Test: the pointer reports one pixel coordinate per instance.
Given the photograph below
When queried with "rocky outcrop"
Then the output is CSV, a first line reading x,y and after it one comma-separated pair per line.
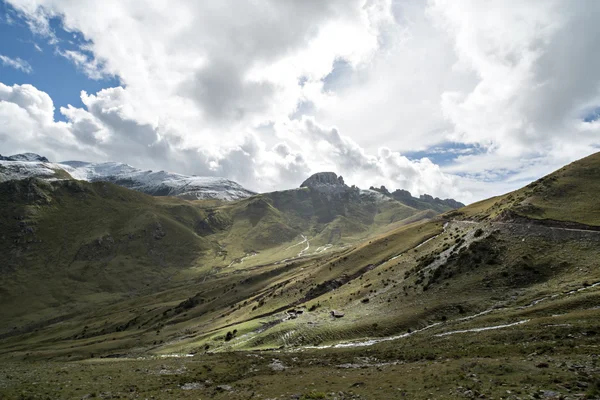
x,y
324,179
423,202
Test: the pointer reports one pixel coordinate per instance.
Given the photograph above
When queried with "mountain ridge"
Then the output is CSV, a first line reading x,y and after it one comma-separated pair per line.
x,y
163,183
423,202
160,183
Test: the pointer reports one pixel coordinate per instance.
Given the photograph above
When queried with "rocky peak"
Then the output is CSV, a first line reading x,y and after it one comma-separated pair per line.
x,y
327,182
424,201
323,179
382,189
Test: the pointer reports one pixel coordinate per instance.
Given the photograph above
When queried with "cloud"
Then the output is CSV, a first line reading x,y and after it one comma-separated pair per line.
x,y
27,123
37,104
105,130
537,67
90,66
211,70
16,63
325,148
270,91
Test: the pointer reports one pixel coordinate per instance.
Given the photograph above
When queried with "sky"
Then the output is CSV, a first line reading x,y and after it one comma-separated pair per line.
x,y
461,99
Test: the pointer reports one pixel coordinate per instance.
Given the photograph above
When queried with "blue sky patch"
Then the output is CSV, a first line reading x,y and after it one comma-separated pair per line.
x,y
592,115
50,71
444,153
338,76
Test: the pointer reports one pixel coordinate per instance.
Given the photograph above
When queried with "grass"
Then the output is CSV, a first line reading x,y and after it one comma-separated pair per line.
x,y
73,245
524,362
434,282
566,195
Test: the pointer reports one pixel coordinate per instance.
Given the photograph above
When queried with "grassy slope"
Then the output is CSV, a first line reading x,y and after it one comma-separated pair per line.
x,y
551,351
73,245
568,194
538,276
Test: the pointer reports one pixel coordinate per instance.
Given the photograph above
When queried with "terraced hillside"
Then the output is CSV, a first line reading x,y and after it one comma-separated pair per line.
x,y
495,300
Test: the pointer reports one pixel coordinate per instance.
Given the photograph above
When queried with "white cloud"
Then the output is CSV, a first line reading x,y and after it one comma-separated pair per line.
x,y
106,130
214,66
325,148
27,123
90,66
209,88
537,67
37,104
16,63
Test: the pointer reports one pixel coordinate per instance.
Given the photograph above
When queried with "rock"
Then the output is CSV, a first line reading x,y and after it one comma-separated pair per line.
x,y
323,178
192,386
158,232
277,365
550,394
337,314
224,388
426,197
327,182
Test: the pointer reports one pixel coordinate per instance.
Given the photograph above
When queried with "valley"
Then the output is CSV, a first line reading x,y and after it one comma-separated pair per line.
x,y
324,291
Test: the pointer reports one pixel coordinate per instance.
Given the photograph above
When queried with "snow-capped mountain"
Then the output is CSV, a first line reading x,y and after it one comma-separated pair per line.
x,y
24,157
160,183
29,165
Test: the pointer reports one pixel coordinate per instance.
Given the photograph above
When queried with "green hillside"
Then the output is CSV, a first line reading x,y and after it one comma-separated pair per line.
x,y
71,245
566,195
365,298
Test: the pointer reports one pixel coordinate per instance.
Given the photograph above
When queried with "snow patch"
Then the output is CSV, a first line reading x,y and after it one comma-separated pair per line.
x,y
16,170
161,183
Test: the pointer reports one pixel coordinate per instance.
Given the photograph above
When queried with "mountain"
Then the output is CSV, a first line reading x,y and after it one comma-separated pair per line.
x,y
259,297
564,198
423,202
97,239
159,183
29,165
31,157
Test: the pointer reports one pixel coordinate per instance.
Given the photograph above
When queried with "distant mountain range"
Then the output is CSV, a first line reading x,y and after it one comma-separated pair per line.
x,y
160,183
423,202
